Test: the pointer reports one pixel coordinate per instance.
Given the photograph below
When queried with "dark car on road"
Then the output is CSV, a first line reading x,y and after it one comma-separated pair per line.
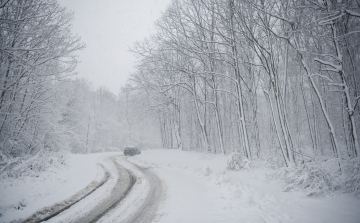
x,y
131,151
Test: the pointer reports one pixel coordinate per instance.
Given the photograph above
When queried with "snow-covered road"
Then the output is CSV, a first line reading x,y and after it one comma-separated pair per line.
x,y
141,204
116,194
172,186
125,182
134,197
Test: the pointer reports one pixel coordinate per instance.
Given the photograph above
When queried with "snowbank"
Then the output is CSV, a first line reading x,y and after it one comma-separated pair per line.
x,y
217,194
20,198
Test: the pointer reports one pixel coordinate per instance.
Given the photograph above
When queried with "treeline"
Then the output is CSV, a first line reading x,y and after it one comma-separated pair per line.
x,y
277,79
97,120
36,53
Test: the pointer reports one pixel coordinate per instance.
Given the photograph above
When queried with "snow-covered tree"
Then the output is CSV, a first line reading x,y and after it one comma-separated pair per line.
x,y
36,52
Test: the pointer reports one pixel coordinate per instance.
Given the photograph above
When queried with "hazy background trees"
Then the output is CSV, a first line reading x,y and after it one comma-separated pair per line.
x,y
97,120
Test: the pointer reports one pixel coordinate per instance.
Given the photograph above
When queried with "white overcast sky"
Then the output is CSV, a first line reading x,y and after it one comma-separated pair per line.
x,y
109,28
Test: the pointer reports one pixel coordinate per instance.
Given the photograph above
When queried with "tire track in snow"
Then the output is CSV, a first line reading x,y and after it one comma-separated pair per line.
x,y
123,186
50,212
147,211
125,182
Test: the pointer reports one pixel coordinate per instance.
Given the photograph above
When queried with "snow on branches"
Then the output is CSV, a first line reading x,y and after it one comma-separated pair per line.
x,y
322,178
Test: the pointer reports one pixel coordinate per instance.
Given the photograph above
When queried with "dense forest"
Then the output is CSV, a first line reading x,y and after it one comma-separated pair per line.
x,y
276,80
268,78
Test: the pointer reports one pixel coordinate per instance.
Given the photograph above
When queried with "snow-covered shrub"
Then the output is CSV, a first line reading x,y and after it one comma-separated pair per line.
x,y
352,179
31,166
20,205
207,171
238,162
311,177
317,178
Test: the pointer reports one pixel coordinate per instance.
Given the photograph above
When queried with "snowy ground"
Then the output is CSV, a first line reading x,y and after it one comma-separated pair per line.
x,y
49,187
198,188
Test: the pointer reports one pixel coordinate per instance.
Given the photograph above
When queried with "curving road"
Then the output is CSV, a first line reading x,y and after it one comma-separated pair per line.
x,y
50,212
147,212
125,183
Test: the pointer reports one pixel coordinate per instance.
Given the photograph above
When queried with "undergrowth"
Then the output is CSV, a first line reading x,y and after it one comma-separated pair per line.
x,y
238,162
322,178
31,166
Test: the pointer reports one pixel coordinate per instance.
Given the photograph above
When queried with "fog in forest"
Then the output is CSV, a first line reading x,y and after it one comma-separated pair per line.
x,y
275,81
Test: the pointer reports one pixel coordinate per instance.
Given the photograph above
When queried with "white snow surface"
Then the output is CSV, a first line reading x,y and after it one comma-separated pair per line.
x,y
200,189
197,188
50,187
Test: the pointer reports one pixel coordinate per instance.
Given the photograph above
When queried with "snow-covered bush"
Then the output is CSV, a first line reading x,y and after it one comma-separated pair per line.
x,y
313,179
207,171
352,179
31,166
317,178
238,162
